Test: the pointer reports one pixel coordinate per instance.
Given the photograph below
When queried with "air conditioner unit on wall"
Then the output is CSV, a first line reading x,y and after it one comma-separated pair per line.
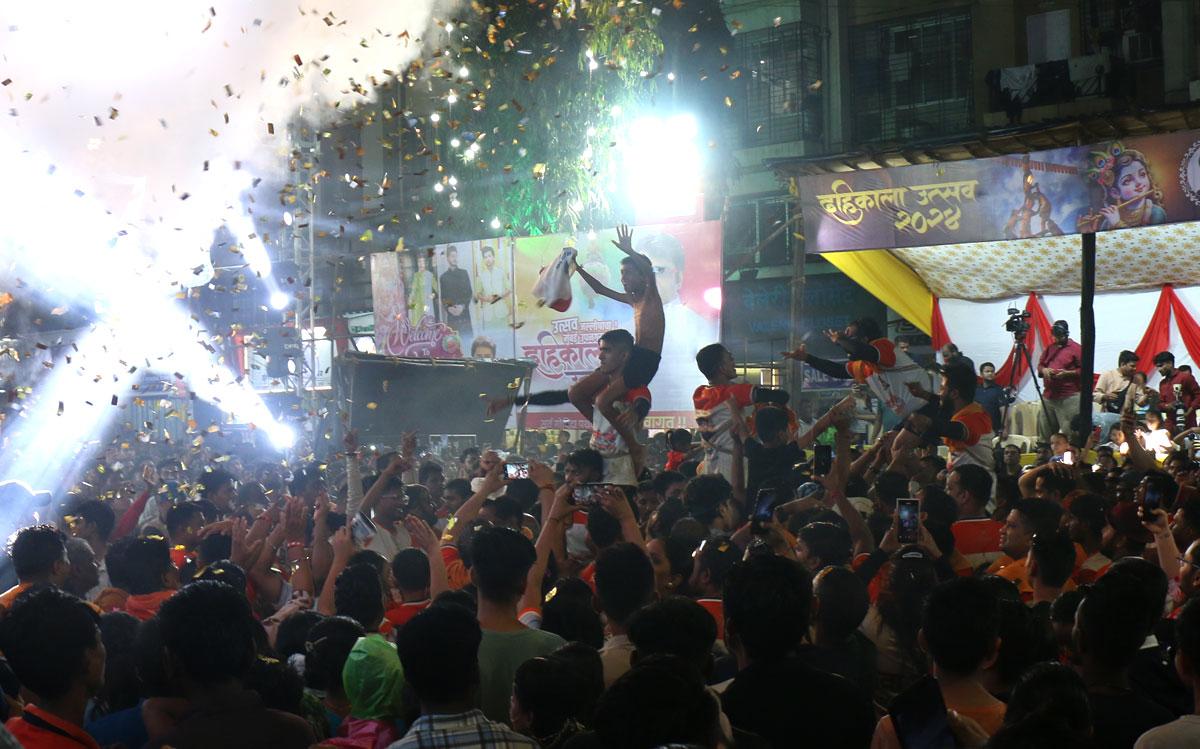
x,y
1138,46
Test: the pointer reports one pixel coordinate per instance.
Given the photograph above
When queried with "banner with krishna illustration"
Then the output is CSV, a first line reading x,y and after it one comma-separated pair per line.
x,y
1117,184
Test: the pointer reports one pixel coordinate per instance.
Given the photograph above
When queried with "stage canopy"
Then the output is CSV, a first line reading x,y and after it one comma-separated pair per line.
x,y
967,240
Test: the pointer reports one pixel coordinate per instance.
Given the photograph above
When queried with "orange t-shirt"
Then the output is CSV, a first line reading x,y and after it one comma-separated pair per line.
x,y
457,574
10,595
38,728
977,422
399,613
860,370
978,540
716,608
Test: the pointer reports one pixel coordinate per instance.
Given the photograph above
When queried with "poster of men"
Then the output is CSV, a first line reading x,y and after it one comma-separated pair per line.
x,y
483,308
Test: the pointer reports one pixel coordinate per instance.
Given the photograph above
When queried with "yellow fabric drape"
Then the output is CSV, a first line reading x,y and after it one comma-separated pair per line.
x,y
890,281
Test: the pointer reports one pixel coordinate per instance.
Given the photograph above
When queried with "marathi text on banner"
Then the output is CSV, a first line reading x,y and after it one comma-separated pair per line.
x,y
1128,183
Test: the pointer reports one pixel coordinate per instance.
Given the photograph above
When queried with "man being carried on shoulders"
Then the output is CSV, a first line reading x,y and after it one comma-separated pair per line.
x,y
612,439
873,361
602,389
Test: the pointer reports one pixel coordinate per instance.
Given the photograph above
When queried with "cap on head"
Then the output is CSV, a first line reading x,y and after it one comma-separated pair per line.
x,y
1060,328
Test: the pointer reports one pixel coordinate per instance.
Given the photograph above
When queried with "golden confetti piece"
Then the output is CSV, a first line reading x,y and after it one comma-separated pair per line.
x,y
372,406
60,408
270,128
297,59
728,102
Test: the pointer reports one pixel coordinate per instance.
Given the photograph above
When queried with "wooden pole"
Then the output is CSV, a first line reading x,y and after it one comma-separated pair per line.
x,y
1087,336
793,374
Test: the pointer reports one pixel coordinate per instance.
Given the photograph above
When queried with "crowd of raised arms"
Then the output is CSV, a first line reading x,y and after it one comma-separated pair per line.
x,y
769,580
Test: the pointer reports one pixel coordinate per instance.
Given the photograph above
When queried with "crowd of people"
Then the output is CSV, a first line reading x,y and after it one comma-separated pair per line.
x,y
762,582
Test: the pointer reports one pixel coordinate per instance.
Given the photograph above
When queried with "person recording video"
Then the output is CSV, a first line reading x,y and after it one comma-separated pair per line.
x,y
1059,368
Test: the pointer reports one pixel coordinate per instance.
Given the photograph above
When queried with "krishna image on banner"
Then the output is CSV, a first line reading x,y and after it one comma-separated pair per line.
x,y
1123,189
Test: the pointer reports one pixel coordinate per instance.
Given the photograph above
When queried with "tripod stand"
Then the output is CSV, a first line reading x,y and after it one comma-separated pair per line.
x,y
1019,353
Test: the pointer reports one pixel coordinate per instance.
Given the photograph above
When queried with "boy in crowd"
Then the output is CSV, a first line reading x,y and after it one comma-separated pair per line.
x,y
440,652
719,406
52,641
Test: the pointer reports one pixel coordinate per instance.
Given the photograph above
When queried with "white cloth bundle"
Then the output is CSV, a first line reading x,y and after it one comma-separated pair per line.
x,y
553,286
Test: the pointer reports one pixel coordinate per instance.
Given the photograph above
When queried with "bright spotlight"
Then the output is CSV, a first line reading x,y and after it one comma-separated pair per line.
x,y
435,117
279,300
663,166
282,436
495,223
463,72
437,187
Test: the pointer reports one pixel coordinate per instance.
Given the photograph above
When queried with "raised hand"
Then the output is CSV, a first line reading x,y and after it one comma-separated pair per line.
x,y
800,353
494,481
343,545
399,464
833,335
421,534
540,473
1155,521
321,516
408,444
624,240
295,520
614,502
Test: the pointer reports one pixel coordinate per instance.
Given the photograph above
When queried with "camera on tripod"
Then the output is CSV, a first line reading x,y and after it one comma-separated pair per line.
x,y
1018,322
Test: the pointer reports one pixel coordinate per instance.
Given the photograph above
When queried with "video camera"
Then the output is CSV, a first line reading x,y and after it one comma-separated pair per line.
x,y
1018,322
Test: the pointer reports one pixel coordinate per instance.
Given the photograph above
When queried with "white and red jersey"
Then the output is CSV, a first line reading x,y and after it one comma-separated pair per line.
x,y
606,440
715,417
889,377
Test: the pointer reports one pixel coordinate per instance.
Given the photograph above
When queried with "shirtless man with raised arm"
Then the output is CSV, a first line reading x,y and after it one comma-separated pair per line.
x,y
641,293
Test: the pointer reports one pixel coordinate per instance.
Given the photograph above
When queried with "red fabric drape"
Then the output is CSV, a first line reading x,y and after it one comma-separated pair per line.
x,y
1158,335
937,325
1156,338
1188,330
1011,373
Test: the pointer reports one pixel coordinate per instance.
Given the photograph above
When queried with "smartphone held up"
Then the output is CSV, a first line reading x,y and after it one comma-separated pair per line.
x,y
908,524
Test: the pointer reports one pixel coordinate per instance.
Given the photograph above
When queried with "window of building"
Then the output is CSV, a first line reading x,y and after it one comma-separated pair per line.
x,y
780,72
1130,29
911,77
759,221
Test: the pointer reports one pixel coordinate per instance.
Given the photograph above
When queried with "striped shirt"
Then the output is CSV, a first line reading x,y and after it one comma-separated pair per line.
x,y
469,729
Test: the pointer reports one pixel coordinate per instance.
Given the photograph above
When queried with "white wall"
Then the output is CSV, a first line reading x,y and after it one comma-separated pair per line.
x,y
1121,321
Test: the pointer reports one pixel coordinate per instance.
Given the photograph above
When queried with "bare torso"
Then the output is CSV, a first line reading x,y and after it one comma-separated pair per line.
x,y
649,321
